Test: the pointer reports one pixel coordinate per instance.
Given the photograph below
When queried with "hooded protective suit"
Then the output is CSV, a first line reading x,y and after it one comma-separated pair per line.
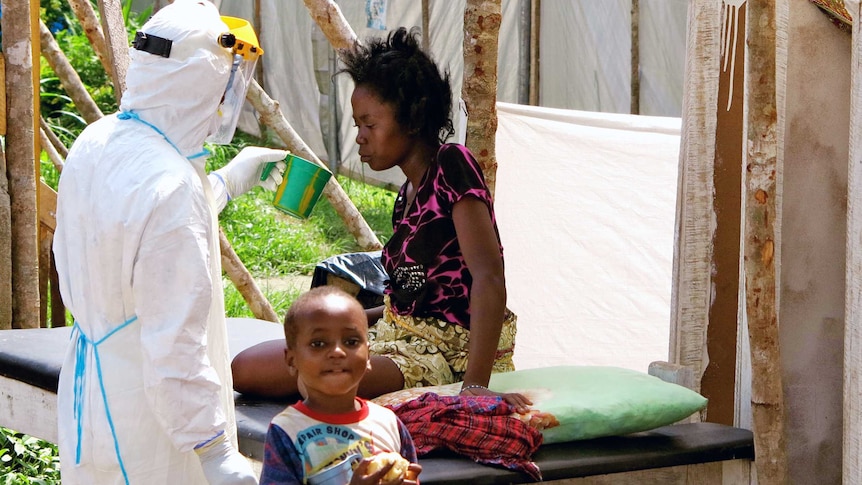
x,y
147,378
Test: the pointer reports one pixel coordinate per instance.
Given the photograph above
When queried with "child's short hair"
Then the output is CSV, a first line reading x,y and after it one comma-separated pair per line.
x,y
299,307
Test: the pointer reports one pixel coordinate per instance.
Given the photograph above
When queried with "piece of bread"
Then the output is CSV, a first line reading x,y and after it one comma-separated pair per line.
x,y
380,460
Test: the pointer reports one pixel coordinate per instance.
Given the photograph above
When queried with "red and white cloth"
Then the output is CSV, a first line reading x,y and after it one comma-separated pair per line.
x,y
479,427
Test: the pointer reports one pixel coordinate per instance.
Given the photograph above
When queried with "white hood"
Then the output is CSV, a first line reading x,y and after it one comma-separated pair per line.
x,y
197,64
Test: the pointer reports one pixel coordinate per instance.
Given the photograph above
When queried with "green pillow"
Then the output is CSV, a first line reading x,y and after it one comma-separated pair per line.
x,y
582,402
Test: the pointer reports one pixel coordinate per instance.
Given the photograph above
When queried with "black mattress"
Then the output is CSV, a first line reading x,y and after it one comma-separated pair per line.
x,y
34,356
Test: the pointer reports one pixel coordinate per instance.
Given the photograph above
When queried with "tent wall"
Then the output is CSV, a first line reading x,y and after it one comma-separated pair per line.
x,y
585,205
585,60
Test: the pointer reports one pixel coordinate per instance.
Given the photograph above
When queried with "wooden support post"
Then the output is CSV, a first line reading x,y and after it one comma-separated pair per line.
x,y
535,50
5,247
482,19
117,43
760,242
852,440
635,59
69,78
426,25
87,18
244,282
331,21
20,159
5,217
693,250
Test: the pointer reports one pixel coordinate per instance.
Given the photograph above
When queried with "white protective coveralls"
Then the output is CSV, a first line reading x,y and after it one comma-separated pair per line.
x,y
147,378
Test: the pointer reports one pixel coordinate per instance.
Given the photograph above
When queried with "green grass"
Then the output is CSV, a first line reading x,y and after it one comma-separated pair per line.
x,y
274,245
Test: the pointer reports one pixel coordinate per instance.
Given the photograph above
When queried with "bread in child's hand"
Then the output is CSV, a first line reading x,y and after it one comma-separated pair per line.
x,y
380,460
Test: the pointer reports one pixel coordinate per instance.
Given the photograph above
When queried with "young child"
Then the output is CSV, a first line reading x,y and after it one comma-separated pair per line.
x,y
326,331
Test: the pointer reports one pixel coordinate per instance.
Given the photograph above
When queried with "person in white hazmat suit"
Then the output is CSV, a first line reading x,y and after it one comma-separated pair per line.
x,y
145,393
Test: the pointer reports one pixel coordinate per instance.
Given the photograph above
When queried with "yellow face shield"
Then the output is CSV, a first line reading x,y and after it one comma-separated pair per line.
x,y
243,44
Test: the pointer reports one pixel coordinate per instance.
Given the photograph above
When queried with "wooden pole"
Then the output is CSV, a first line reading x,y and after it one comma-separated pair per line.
x,y
760,242
535,50
52,152
331,21
87,18
482,19
53,139
693,249
635,59
20,160
426,25
5,218
116,42
69,78
244,282
852,439
5,246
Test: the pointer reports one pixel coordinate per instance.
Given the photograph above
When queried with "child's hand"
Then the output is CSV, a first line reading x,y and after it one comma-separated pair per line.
x,y
362,476
412,475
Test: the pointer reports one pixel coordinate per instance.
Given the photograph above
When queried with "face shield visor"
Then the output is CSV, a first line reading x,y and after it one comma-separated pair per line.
x,y
243,45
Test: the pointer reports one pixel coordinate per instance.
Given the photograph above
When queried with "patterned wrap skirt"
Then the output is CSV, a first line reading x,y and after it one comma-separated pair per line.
x,y
431,352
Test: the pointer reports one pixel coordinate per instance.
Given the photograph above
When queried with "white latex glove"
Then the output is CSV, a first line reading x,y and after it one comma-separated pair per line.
x,y
224,465
243,172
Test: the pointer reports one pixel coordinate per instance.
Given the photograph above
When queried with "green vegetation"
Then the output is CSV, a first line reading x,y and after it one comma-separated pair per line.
x,y
272,245
25,460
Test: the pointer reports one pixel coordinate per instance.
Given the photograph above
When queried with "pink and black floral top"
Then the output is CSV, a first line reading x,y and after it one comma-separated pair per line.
x,y
427,273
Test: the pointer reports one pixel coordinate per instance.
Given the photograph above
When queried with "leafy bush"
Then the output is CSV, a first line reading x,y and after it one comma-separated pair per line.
x,y
26,460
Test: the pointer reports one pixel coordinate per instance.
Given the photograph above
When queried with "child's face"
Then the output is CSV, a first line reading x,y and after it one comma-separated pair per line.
x,y
331,352
382,141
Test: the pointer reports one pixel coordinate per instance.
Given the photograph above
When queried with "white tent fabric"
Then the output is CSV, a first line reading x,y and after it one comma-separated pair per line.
x,y
585,60
586,205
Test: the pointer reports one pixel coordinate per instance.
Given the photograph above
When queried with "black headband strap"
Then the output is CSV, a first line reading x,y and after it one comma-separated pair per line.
x,y
152,44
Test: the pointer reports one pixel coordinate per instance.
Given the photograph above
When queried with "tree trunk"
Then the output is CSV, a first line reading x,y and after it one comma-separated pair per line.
x,y
767,393
271,116
87,17
117,42
68,76
244,282
333,24
482,20
5,247
20,169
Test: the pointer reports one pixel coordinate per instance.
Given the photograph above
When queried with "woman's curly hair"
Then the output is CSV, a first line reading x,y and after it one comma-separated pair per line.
x,y
398,71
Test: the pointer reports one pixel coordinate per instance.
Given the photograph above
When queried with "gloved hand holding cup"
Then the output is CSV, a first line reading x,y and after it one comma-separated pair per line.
x,y
301,187
244,172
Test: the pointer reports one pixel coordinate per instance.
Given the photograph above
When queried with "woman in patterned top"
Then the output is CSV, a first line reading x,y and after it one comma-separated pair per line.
x,y
446,296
